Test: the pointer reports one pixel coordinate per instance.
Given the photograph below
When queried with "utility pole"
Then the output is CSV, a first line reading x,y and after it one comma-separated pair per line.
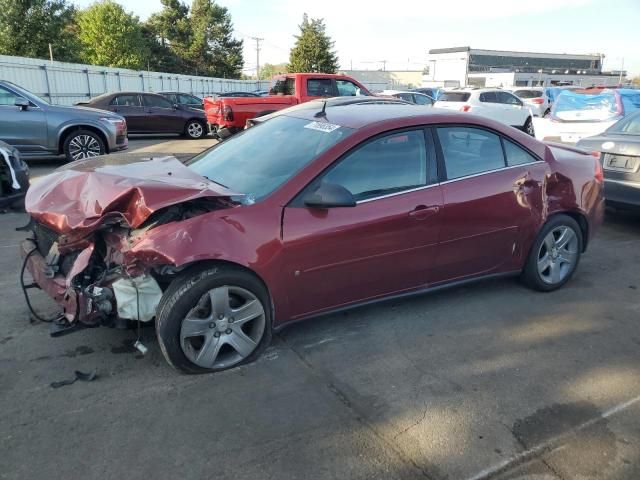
x,y
621,70
258,40
384,65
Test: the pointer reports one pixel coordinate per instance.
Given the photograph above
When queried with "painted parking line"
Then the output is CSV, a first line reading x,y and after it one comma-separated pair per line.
x,y
549,445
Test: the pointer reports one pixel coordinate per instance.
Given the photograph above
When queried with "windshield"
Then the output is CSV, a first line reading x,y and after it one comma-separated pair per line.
x,y
26,93
260,159
586,107
628,126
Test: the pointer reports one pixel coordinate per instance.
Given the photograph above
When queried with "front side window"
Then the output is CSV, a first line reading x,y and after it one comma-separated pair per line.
x,y
189,100
508,99
7,97
517,155
386,165
422,99
319,87
156,101
348,89
262,158
126,101
468,151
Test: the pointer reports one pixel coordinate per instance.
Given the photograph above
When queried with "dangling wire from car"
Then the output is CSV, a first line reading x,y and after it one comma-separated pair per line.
x,y
24,287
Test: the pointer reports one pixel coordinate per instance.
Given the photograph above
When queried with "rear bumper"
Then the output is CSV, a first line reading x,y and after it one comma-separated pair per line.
x,y
622,192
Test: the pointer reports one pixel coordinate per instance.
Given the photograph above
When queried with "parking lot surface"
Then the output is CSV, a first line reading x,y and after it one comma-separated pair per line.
x,y
489,380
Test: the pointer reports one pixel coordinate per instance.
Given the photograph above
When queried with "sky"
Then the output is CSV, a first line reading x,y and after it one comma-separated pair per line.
x,y
402,32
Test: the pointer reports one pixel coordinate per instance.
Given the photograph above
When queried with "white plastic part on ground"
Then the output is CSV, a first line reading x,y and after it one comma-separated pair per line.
x,y
567,132
137,298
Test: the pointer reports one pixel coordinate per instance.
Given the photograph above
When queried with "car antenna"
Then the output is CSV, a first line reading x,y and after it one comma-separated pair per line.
x,y
322,113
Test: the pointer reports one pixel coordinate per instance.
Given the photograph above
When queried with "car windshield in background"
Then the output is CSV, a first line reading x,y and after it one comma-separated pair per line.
x,y
454,97
627,126
259,160
527,93
586,107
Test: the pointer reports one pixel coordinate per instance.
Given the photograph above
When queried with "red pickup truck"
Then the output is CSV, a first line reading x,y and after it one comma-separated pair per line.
x,y
227,115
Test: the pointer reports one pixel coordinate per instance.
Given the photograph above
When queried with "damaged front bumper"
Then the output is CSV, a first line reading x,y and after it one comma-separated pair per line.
x,y
87,301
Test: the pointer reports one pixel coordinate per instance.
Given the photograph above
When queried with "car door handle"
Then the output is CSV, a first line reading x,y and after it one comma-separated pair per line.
x,y
423,211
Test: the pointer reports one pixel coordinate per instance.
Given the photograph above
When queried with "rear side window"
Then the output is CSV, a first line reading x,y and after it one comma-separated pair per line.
x,y
468,151
126,101
284,86
407,97
517,155
527,93
389,164
488,97
319,87
422,99
454,97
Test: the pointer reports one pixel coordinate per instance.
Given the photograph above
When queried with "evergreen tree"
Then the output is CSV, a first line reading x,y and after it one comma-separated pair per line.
x,y
28,26
313,51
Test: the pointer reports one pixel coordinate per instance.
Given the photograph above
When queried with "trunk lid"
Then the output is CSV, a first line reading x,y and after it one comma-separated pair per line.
x,y
82,195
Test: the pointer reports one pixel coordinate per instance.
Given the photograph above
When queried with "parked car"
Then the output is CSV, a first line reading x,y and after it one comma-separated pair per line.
x,y
309,213
227,116
153,113
553,92
37,128
581,113
433,92
416,98
492,103
184,99
535,99
14,176
321,104
618,147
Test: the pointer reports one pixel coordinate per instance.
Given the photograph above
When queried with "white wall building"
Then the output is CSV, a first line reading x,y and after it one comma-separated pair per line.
x,y
465,66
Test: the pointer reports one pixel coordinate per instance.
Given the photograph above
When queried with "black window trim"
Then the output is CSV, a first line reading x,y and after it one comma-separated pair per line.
x,y
432,181
442,169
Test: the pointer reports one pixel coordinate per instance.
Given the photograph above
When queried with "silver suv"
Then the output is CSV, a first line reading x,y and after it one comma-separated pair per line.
x,y
37,128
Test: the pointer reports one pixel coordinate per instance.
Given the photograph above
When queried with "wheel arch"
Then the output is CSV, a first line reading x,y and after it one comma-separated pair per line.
x,y
581,220
68,130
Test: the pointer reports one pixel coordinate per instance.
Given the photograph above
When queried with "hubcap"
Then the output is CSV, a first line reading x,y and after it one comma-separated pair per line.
x,y
224,327
557,255
84,146
195,129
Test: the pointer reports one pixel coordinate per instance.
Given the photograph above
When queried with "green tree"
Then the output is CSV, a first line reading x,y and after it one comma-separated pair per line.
x,y
268,70
213,50
171,26
27,27
313,51
112,37
636,81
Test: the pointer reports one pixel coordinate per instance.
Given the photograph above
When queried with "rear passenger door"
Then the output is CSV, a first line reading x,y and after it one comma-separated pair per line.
x,y
492,202
129,106
161,116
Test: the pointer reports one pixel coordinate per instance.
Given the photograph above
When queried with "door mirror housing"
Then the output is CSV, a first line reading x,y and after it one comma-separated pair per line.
x,y
23,103
329,195
176,106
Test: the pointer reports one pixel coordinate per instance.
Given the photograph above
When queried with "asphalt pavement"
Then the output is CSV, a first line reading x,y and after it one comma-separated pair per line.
x,y
489,380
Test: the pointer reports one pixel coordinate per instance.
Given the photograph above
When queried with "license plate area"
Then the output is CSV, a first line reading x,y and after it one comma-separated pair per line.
x,y
621,163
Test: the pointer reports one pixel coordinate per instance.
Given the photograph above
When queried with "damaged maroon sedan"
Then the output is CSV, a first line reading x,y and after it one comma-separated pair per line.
x,y
306,214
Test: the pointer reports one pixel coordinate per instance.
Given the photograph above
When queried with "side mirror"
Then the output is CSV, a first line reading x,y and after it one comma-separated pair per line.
x,y
330,195
176,106
23,103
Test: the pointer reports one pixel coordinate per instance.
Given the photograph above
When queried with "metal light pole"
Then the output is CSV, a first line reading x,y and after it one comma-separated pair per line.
x,y
258,40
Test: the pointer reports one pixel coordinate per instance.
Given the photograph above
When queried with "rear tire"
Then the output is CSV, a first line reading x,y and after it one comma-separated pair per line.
x,y
83,144
197,337
555,254
195,129
528,127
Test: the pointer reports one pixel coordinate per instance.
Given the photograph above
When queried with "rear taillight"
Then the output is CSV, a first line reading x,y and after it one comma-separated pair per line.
x,y
537,101
465,108
595,154
227,113
599,173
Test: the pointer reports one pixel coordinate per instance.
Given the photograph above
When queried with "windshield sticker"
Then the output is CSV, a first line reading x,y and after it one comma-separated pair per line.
x,y
322,126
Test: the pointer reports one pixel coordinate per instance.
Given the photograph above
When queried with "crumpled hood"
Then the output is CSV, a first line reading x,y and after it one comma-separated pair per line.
x,y
80,196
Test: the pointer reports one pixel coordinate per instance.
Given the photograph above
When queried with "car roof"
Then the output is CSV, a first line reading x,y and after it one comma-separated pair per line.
x,y
357,116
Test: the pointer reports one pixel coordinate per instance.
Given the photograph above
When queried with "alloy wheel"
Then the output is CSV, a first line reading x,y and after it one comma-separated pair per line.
x,y
558,255
84,146
195,130
529,128
224,328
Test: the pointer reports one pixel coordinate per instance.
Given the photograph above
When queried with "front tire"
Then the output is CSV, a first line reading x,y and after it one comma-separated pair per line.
x,y
212,319
195,129
555,254
528,127
83,144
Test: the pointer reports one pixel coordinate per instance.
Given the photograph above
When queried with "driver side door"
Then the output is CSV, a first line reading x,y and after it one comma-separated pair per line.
x,y
25,129
384,245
